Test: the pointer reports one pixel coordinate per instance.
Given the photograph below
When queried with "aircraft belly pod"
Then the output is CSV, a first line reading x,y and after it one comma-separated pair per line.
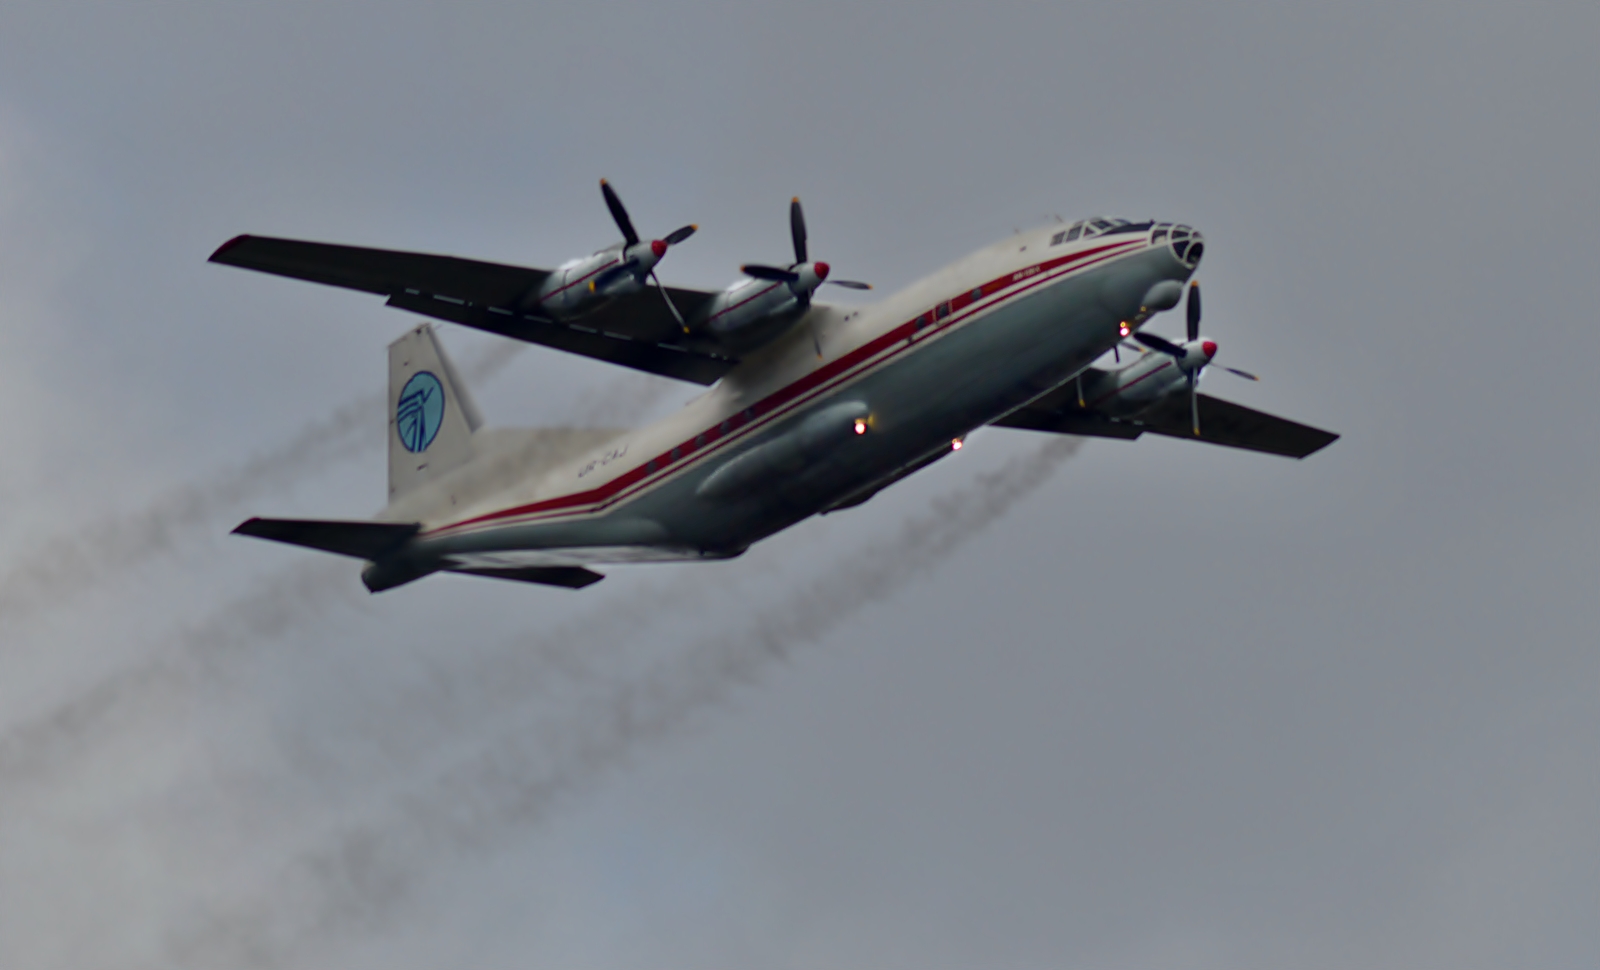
x,y
813,408
790,453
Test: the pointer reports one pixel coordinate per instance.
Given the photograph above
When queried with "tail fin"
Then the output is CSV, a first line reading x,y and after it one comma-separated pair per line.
x,y
431,417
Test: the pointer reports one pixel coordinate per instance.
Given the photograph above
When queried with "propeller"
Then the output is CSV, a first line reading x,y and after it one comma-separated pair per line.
x,y
788,274
1193,309
1161,343
773,273
1193,312
1181,353
619,213
1238,373
797,229
630,239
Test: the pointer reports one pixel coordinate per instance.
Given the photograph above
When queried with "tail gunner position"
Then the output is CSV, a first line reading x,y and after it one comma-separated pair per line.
x,y
811,408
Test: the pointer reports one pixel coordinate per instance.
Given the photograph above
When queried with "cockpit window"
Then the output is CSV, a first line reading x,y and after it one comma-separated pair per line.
x,y
1124,226
1098,226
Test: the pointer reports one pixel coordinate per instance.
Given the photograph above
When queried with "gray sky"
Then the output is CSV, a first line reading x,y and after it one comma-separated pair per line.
x,y
1177,707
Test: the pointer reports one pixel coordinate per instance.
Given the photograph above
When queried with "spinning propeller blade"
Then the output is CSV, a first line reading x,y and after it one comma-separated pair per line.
x,y
1238,373
664,296
679,235
773,273
1194,310
797,229
1160,343
629,236
851,284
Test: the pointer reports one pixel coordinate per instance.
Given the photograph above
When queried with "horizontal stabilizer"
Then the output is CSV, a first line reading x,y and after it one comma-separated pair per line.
x,y
362,540
572,577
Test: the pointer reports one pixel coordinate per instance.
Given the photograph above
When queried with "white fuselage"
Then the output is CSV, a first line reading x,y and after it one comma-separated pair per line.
x,y
905,377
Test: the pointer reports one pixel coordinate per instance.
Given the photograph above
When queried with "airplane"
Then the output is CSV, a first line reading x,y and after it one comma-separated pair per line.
x,y
811,408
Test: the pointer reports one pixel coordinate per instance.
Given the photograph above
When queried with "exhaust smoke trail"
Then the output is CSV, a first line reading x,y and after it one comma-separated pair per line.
x,y
358,878
59,568
56,570
115,707
293,599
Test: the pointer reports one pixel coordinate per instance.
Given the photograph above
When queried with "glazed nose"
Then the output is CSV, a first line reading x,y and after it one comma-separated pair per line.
x,y
1184,242
1187,244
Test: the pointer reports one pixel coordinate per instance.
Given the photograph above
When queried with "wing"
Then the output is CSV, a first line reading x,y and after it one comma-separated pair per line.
x,y
1221,423
635,331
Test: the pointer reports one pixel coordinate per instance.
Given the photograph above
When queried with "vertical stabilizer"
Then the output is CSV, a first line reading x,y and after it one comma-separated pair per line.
x,y
431,415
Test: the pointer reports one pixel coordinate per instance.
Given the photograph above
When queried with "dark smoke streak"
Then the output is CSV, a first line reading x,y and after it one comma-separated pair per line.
x,y
355,880
193,657
295,599
58,569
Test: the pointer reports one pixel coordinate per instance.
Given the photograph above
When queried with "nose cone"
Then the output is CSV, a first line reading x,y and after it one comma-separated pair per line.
x,y
658,247
821,269
1209,348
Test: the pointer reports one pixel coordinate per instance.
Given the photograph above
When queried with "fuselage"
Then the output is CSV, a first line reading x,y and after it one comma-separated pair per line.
x,y
842,403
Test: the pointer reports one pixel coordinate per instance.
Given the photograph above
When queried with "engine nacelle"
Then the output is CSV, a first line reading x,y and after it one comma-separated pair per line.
x,y
1150,378
580,285
752,310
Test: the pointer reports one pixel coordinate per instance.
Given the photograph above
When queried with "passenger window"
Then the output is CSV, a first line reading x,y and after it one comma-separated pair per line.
x,y
675,453
944,310
977,294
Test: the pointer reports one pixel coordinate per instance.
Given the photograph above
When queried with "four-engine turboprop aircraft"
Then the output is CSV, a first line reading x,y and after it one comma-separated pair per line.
x,y
811,409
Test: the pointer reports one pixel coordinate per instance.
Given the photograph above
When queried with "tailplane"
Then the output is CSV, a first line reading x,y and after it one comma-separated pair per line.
x,y
431,416
361,540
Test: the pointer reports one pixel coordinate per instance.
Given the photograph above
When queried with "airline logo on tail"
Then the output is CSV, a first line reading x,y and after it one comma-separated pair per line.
x,y
420,411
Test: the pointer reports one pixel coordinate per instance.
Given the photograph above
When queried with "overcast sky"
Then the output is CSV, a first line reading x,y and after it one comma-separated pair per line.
x,y
1142,705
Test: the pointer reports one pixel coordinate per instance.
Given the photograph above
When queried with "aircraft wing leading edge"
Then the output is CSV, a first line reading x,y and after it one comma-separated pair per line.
x,y
635,331
1221,423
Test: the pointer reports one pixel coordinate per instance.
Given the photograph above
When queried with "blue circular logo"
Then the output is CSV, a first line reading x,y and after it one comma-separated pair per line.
x,y
420,411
